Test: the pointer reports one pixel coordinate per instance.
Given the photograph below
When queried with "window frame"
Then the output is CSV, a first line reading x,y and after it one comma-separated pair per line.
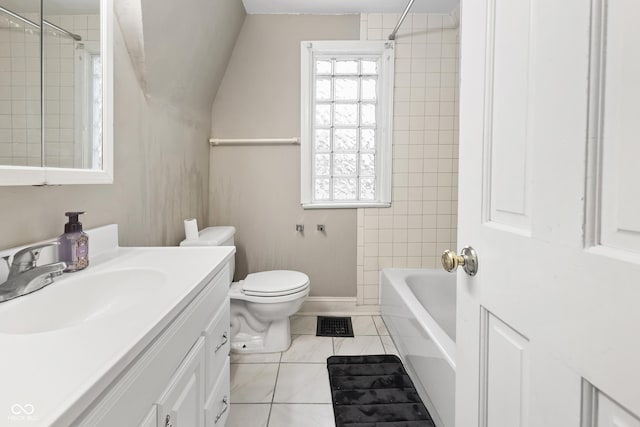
x,y
384,50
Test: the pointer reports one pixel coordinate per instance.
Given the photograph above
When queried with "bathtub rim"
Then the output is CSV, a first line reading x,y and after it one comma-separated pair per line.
x,y
397,278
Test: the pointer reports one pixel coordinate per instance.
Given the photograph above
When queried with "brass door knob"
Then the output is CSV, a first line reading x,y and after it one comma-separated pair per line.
x,y
467,259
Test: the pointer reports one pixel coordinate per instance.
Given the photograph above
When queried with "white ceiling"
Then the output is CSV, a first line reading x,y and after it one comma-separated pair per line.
x,y
346,6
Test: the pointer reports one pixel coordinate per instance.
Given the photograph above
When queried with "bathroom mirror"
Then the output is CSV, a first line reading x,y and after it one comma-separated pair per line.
x,y
56,92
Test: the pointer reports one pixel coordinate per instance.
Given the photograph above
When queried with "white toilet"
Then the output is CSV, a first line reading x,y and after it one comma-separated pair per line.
x,y
261,303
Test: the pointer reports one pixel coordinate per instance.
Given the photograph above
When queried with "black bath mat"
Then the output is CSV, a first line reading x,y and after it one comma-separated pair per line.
x,y
334,327
374,391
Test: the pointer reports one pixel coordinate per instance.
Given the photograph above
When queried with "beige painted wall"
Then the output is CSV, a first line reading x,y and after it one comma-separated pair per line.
x,y
161,174
257,189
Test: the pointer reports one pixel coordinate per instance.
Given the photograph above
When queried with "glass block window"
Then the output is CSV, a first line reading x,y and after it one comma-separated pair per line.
x,y
346,120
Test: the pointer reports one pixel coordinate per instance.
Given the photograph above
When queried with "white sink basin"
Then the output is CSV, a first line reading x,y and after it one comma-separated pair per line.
x,y
69,301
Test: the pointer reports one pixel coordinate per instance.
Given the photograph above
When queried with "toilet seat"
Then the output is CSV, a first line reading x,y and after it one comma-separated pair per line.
x,y
271,287
274,283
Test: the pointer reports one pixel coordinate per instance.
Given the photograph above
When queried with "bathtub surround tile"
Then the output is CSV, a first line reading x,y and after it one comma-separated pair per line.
x,y
302,383
380,326
371,301
309,415
371,293
359,345
360,291
301,324
248,415
425,152
253,383
308,349
371,278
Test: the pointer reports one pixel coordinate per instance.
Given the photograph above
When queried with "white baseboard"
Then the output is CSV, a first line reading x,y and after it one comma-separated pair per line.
x,y
336,306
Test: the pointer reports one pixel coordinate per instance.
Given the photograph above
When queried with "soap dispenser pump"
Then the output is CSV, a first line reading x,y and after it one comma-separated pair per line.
x,y
74,244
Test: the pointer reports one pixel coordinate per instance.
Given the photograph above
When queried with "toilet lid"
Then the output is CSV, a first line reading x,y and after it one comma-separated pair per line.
x,y
274,283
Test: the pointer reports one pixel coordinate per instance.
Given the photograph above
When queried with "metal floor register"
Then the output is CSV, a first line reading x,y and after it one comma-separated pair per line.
x,y
334,327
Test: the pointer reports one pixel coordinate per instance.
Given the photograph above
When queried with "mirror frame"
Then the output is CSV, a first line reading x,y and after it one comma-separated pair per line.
x,y
31,175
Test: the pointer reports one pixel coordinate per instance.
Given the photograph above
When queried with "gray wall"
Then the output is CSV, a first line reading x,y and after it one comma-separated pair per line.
x,y
257,189
161,163
187,45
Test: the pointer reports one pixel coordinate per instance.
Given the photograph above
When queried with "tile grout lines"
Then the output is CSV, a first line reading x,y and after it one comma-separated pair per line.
x,y
273,395
369,326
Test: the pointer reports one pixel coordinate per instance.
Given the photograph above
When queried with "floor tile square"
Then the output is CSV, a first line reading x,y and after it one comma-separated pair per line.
x,y
303,324
382,328
308,349
292,388
301,415
302,383
253,383
248,415
363,325
361,345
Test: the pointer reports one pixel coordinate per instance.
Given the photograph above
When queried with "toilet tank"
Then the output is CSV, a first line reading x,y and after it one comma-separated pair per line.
x,y
215,236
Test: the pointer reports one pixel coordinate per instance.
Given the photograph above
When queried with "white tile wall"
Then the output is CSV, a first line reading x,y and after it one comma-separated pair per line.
x,y
19,92
20,125
422,221
63,148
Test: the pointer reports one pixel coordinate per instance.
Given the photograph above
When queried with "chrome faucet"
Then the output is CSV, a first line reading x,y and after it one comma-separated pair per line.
x,y
25,276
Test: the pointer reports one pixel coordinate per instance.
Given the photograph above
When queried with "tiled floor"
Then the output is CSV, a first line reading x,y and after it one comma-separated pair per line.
x,y
291,389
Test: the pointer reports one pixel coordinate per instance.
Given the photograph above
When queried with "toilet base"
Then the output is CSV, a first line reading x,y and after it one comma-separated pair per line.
x,y
261,325
276,338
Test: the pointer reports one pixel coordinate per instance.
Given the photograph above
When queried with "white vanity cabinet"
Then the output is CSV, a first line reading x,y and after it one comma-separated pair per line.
x,y
181,379
216,410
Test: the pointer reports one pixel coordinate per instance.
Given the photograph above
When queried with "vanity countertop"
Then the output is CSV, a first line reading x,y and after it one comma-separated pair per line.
x,y
51,372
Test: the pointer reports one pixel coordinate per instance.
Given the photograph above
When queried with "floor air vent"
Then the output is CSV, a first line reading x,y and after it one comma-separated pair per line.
x,y
334,327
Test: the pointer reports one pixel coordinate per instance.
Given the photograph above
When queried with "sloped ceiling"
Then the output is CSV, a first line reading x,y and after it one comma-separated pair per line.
x,y
180,49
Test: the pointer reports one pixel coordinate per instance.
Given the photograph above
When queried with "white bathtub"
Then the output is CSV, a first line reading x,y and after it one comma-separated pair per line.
x,y
419,309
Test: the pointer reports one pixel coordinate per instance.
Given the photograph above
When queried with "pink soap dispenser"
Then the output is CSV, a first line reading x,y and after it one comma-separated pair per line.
x,y
74,244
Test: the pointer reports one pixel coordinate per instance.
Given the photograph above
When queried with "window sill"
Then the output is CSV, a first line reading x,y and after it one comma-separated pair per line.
x,y
334,205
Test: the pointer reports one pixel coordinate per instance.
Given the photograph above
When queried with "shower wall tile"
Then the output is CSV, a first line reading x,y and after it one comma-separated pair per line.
x,y
422,221
63,148
20,87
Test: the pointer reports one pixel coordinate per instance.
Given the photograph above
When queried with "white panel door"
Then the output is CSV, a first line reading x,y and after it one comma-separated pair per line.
x,y
549,166
619,122
506,401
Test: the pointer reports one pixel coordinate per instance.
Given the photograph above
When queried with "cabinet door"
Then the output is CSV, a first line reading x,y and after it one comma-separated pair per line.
x,y
216,410
218,344
182,403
